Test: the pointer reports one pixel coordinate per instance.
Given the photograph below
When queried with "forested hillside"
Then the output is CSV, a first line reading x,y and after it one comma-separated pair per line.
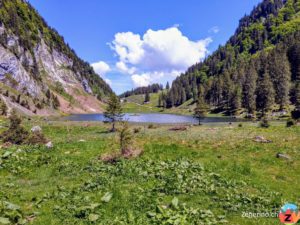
x,y
36,60
153,88
258,69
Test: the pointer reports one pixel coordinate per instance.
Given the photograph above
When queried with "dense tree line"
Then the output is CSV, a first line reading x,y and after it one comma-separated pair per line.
x,y
257,68
153,88
23,21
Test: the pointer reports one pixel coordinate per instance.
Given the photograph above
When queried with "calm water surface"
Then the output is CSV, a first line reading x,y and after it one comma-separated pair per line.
x,y
153,118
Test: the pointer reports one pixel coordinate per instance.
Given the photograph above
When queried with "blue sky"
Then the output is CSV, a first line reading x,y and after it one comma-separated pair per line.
x,y
134,42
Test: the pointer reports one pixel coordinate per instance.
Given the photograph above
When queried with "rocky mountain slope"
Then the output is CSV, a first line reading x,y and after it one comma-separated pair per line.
x,y
39,73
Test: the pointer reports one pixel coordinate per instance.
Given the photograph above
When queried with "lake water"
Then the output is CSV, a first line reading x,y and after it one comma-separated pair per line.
x,y
153,118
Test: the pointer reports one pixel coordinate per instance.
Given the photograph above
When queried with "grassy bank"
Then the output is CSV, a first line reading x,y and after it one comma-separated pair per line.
x,y
205,175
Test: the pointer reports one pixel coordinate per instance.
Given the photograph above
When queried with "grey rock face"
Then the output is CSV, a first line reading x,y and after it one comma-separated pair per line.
x,y
9,64
35,72
53,65
86,86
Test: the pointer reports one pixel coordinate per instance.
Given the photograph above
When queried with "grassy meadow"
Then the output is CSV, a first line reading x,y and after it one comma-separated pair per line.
x,y
135,104
205,175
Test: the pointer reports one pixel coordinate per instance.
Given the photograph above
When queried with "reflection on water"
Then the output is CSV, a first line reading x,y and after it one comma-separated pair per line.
x,y
153,118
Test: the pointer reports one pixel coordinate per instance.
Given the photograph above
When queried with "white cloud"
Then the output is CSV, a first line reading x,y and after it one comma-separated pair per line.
x,y
147,78
101,68
156,54
128,46
214,30
141,80
122,67
159,50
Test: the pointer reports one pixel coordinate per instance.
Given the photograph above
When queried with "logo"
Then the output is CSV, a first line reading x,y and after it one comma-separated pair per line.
x,y
289,214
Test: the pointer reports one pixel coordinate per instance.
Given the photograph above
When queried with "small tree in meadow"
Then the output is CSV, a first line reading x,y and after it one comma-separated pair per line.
x,y
201,109
126,138
114,111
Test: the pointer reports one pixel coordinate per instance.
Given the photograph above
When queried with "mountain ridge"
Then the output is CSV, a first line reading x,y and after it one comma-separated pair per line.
x,y
35,60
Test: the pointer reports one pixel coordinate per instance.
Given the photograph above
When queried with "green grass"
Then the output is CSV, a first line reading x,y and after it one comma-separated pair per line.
x,y
135,104
215,174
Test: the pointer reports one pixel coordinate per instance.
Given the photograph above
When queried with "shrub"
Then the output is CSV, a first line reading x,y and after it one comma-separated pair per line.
x,y
265,123
16,133
240,125
151,126
290,123
296,114
3,108
126,138
137,130
36,138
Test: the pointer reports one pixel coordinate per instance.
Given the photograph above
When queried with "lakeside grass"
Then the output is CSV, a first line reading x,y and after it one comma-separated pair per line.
x,y
213,167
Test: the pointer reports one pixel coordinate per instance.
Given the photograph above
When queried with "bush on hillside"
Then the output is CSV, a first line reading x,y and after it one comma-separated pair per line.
x,y
296,114
290,123
16,133
137,130
36,138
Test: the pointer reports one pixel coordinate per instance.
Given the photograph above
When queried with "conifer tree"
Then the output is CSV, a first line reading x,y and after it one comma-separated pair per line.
x,y
201,108
126,138
147,97
159,100
183,96
114,111
249,89
265,94
236,100
281,75
227,89
167,86
170,99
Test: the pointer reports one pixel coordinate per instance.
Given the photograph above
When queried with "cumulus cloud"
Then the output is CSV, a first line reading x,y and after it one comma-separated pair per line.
x,y
144,79
141,80
159,50
122,67
128,46
156,54
101,68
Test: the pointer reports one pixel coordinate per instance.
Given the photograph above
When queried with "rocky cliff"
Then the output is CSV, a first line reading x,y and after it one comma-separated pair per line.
x,y
39,73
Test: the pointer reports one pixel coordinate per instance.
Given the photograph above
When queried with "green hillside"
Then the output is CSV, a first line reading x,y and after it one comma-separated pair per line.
x,y
256,71
135,104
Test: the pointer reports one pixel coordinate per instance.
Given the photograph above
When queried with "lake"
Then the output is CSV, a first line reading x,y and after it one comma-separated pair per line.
x,y
153,118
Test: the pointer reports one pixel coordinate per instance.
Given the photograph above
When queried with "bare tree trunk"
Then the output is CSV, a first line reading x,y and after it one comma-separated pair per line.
x,y
113,129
